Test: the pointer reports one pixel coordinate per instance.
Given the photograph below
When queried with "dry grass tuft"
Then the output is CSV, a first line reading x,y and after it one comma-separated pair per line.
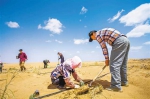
x,y
6,93
84,92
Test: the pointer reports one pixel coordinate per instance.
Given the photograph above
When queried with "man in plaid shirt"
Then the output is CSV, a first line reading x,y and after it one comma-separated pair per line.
x,y
119,55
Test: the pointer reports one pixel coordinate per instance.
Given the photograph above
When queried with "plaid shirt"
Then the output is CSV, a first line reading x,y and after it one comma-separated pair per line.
x,y
108,35
61,70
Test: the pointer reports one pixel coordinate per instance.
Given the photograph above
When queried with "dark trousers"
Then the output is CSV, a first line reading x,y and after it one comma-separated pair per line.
x,y
22,67
45,64
0,69
59,81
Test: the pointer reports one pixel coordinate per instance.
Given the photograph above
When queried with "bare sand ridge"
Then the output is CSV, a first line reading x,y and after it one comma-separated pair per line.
x,y
35,77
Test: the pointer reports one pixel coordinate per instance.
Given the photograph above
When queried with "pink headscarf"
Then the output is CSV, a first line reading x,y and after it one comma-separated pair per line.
x,y
74,62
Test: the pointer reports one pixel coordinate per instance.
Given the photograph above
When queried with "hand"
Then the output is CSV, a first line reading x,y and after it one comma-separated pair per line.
x,y
81,83
76,86
107,62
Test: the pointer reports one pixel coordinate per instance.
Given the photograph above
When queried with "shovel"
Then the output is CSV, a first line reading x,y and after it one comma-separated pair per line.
x,y
97,76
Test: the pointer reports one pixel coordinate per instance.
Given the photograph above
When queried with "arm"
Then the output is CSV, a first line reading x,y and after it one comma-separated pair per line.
x,y
18,55
69,83
75,76
105,52
67,79
104,49
25,56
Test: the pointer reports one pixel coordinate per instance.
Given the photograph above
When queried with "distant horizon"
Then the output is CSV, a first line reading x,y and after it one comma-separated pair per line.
x,y
82,61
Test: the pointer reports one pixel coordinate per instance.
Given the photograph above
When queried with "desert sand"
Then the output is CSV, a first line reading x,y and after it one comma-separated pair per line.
x,y
37,78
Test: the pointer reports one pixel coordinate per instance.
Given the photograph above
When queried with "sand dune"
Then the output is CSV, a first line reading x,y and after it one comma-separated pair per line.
x,y
35,77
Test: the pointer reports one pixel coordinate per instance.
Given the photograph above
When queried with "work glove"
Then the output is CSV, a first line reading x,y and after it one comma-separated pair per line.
x,y
81,83
76,86
107,62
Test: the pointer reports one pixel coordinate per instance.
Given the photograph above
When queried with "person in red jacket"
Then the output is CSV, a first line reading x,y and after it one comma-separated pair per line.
x,y
23,57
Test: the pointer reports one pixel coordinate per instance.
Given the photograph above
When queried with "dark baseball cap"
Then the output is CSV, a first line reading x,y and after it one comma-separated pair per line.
x,y
20,49
90,34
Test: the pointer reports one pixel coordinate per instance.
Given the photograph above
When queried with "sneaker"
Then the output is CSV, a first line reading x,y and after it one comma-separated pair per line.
x,y
126,85
114,89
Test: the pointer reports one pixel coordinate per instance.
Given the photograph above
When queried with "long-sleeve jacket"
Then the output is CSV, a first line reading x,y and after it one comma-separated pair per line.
x,y
22,56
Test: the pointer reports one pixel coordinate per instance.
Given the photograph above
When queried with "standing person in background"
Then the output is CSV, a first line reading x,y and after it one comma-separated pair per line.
x,y
46,63
61,57
1,67
23,57
119,55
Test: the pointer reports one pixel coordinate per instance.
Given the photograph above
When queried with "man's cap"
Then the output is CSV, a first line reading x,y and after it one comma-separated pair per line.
x,y
91,33
20,49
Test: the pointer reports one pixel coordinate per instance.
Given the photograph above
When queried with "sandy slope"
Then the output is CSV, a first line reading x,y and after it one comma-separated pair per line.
x,y
25,83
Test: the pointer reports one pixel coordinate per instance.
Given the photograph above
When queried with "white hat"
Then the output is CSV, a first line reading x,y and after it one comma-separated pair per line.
x,y
76,62
73,62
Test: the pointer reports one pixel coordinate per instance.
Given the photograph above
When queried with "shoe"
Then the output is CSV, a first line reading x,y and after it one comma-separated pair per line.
x,y
125,85
61,87
114,89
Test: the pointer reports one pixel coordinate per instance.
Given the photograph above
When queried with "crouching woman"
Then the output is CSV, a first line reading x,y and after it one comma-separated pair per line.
x,y
61,74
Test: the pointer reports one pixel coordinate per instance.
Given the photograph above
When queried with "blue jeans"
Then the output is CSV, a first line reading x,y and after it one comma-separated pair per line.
x,y
118,62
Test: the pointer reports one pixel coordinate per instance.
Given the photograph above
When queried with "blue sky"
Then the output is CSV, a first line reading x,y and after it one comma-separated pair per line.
x,y
44,27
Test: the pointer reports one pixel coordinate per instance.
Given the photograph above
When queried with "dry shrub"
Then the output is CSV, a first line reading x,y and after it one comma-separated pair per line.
x,y
6,93
147,75
84,92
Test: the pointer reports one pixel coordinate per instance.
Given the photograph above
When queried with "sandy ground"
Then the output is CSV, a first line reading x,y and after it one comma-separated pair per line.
x,y
36,77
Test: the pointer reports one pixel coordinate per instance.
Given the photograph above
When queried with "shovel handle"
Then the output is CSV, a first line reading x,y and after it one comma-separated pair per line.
x,y
104,67
97,75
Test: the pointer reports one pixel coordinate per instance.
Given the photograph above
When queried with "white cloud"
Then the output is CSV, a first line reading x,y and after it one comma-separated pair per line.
x,y
147,43
78,52
83,10
97,46
80,20
139,30
12,24
136,47
58,41
137,16
80,41
48,41
115,17
53,25
92,51
39,26
51,35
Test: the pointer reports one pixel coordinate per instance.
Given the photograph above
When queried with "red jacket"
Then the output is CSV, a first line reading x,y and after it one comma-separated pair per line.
x,y
22,56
